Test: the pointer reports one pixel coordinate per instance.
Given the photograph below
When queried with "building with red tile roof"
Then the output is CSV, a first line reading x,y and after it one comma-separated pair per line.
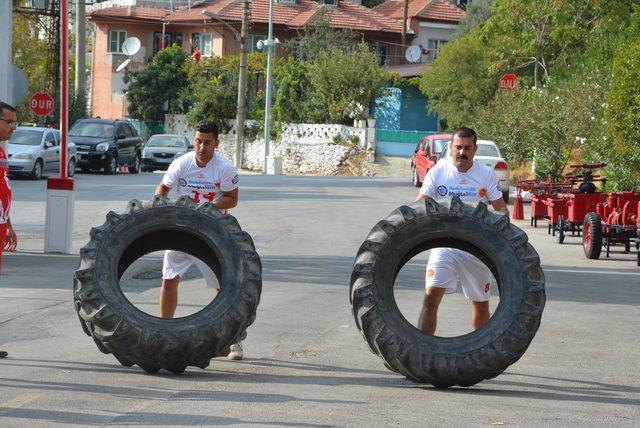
x,y
188,27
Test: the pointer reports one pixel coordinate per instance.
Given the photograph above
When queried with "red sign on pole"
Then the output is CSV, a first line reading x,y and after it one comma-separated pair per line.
x,y
41,104
508,81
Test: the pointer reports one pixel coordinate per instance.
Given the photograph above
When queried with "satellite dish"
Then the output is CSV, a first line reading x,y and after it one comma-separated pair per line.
x,y
131,46
123,65
413,54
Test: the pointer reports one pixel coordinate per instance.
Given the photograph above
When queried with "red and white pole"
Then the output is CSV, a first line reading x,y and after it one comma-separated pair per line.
x,y
60,195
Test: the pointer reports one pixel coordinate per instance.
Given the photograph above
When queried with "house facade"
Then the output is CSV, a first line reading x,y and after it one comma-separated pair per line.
x,y
189,28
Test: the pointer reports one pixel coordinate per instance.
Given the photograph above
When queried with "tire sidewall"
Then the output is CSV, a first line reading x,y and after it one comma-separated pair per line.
x,y
146,221
476,233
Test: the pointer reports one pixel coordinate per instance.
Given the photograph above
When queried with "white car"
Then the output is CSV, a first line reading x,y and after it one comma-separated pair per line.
x,y
34,151
489,154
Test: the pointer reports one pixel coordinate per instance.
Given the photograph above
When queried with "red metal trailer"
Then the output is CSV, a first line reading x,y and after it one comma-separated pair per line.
x,y
616,222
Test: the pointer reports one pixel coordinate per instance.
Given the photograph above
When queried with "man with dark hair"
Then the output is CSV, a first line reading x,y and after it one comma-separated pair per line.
x,y
8,238
204,176
471,181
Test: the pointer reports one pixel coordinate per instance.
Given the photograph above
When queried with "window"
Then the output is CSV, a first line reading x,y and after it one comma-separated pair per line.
x,y
202,42
50,138
329,2
434,47
169,40
253,42
116,39
288,1
382,49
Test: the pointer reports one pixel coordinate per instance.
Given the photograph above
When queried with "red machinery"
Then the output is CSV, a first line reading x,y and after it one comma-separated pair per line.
x,y
540,191
566,211
616,222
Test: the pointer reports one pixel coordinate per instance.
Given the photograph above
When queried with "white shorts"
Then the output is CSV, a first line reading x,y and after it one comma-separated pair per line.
x,y
176,263
447,266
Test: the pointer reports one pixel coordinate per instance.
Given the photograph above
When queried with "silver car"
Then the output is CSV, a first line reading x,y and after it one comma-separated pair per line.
x,y
34,151
161,149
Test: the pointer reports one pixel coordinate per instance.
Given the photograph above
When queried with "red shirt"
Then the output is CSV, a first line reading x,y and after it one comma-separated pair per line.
x,y
5,188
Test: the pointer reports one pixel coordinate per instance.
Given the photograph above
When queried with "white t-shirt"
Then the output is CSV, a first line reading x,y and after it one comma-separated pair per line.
x,y
201,184
479,183
444,180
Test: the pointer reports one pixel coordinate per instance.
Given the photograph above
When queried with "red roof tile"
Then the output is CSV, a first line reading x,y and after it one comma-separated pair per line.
x,y
137,13
434,10
346,15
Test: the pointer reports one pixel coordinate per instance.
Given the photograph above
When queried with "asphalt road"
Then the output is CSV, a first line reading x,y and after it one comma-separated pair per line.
x,y
306,364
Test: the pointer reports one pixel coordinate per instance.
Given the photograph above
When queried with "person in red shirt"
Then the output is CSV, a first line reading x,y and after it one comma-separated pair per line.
x,y
8,239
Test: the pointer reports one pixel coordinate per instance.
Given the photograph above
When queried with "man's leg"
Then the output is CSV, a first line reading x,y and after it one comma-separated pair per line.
x,y
429,314
169,297
479,314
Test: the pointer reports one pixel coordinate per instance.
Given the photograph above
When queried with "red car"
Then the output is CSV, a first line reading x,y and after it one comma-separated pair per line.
x,y
426,155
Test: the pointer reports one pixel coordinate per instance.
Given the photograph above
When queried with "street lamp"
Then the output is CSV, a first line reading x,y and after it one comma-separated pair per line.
x,y
269,44
242,76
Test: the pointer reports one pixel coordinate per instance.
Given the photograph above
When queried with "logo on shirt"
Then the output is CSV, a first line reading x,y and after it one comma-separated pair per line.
x,y
442,190
482,192
431,273
463,181
182,182
235,180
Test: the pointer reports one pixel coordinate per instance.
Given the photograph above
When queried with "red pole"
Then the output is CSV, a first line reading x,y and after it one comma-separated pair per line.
x,y
64,89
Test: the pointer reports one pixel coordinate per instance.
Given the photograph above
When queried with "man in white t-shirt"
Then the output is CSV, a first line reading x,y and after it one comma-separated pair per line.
x,y
204,176
471,181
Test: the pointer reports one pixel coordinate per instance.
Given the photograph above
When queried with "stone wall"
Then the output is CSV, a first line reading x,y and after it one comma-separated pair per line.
x,y
304,148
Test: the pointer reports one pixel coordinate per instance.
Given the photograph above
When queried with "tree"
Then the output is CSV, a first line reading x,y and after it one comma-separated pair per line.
x,y
461,81
478,12
154,90
318,37
623,114
30,56
343,83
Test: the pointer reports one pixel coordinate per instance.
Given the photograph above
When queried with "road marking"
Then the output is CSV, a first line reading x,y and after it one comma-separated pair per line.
x,y
18,401
599,272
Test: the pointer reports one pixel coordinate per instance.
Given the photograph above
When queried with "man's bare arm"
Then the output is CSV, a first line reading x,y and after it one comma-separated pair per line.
x,y
500,205
229,199
162,190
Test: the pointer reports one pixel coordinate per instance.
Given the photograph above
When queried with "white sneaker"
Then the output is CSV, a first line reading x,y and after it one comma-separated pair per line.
x,y
235,352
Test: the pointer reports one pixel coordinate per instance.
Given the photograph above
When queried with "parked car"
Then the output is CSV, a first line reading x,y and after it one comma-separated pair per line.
x,y
106,144
161,149
489,154
427,153
34,151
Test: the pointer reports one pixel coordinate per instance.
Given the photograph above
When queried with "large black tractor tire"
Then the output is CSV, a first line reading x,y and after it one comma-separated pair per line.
x,y
592,236
447,361
135,337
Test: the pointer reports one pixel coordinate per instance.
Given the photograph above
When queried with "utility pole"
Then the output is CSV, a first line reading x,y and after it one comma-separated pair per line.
x,y
81,55
242,75
270,44
242,84
6,55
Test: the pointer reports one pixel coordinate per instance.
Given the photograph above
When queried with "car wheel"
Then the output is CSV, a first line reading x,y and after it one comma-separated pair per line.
x,y
136,165
36,172
71,168
112,167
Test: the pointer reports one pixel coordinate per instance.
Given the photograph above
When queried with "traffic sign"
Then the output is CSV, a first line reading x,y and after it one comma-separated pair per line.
x,y
508,81
41,104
